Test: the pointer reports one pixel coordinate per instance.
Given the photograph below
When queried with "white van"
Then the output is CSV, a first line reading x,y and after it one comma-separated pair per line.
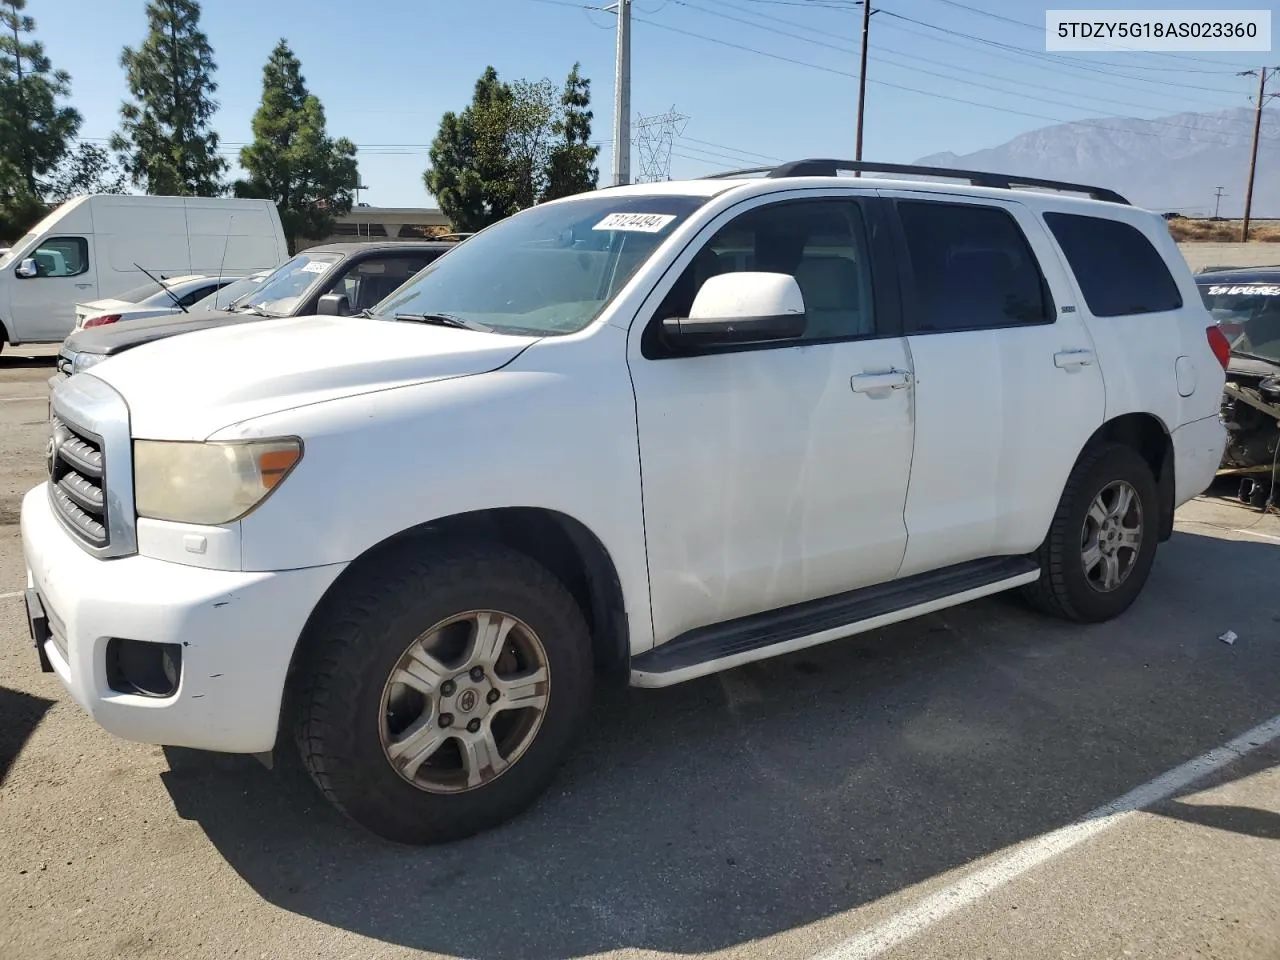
x,y
91,247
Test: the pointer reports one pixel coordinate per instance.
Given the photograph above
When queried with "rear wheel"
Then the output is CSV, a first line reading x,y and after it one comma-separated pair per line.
x,y
446,692
1102,541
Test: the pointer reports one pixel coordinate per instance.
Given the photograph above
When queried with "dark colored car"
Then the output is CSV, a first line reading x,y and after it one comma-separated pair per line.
x,y
1245,303
342,278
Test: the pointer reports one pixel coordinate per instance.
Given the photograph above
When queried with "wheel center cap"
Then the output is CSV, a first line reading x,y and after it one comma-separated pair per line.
x,y
467,700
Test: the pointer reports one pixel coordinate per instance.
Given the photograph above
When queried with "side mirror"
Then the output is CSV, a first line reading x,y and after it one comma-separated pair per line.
x,y
27,269
740,308
334,305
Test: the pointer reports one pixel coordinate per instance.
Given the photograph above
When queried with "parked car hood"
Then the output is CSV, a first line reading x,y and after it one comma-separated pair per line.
x,y
187,388
117,337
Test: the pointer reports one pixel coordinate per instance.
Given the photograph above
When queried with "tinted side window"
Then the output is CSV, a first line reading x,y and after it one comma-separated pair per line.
x,y
1120,273
822,243
973,268
370,280
199,293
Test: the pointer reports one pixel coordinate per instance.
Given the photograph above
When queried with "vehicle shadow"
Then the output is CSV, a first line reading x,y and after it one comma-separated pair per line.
x,y
767,798
20,714
11,361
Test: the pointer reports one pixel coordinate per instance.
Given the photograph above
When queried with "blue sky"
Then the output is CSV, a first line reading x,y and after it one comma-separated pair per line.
x,y
387,69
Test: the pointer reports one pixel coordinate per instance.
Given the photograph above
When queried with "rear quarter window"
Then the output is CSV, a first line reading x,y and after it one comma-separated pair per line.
x,y
1119,272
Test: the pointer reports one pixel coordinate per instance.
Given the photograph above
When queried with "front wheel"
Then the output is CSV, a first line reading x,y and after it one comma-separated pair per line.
x,y
1102,541
444,694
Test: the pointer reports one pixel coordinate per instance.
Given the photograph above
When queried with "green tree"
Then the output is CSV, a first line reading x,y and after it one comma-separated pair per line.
x,y
531,115
36,130
165,141
571,167
470,173
311,177
87,169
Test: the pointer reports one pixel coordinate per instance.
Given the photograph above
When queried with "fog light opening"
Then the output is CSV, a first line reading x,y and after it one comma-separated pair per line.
x,y
143,669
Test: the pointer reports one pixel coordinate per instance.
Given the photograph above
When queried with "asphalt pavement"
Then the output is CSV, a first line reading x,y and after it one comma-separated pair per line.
x,y
979,783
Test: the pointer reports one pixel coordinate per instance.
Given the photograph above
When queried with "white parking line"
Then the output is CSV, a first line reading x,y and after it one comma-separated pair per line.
x,y
1252,533
902,926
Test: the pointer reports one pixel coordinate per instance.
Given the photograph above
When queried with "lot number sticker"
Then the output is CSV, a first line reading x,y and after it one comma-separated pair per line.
x,y
635,222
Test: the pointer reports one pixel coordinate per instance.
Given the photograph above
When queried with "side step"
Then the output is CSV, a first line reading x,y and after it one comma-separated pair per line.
x,y
721,646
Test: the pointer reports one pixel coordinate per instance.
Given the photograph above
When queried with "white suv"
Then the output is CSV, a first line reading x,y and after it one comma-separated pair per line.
x,y
654,432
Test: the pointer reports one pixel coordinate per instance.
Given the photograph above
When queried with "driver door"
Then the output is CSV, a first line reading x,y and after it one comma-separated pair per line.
x,y
43,306
776,473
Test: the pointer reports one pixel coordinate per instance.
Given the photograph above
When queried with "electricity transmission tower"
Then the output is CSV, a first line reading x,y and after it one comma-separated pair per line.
x,y
654,138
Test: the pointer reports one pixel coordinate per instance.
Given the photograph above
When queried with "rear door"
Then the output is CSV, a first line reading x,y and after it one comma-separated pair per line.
x,y
1008,388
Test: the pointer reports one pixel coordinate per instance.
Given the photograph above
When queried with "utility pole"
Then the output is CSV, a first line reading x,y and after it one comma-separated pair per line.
x,y
622,97
1253,155
862,80
1217,202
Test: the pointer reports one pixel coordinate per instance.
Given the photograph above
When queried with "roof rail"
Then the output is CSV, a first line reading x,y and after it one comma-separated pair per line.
x,y
1002,181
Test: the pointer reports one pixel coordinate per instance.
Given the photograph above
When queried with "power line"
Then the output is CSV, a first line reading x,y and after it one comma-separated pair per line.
x,y
721,146
845,73
945,76
1066,69
1039,28
1058,58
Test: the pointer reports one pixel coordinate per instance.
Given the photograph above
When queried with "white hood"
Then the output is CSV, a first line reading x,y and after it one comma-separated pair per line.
x,y
190,386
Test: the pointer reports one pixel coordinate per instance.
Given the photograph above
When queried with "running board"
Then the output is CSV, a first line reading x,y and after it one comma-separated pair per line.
x,y
759,636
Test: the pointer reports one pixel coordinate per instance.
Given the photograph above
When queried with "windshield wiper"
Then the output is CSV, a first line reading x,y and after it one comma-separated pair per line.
x,y
256,310
444,320
172,296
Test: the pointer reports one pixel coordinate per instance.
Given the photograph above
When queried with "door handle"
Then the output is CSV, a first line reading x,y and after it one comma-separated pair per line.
x,y
872,382
1070,359
83,286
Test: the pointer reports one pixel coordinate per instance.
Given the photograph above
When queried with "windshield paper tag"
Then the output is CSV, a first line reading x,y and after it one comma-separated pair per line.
x,y
635,222
1258,290
315,266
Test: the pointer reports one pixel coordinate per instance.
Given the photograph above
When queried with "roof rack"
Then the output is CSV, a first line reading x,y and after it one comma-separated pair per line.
x,y
1002,181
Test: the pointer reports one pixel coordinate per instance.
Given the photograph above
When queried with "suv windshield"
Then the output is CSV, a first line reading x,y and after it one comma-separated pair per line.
x,y
1249,315
281,292
547,270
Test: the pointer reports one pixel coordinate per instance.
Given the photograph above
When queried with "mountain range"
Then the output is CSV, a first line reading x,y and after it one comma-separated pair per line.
x,y
1169,164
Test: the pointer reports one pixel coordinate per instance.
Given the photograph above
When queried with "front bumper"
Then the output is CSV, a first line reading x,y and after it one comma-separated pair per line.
x,y
237,631
1197,452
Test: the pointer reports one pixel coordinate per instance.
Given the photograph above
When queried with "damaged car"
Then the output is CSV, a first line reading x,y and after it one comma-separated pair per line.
x,y
1245,304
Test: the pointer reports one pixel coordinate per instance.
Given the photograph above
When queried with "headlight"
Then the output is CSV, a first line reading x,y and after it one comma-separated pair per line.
x,y
83,361
208,483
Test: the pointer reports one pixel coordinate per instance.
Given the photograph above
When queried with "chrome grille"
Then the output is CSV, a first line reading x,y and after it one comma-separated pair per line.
x,y
64,365
90,462
77,482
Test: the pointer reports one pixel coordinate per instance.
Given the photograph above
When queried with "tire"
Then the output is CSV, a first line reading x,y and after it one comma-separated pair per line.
x,y
1073,580
363,737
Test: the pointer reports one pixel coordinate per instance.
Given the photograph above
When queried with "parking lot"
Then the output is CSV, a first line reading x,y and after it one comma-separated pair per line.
x,y
958,786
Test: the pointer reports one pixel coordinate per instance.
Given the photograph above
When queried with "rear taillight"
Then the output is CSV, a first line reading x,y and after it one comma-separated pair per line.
x,y
103,320
1219,345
